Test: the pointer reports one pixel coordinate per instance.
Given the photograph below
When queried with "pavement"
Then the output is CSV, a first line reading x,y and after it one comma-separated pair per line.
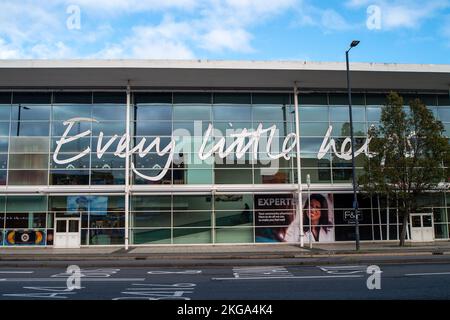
x,y
220,254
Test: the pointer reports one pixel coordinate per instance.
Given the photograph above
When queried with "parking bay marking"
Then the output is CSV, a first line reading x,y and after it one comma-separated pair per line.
x,y
427,274
190,272
343,270
268,273
64,279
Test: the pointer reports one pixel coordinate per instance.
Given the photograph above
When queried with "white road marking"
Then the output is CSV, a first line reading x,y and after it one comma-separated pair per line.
x,y
343,269
64,280
175,272
427,274
17,272
291,277
261,272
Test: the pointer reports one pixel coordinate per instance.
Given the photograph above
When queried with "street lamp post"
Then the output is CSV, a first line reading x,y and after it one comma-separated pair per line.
x,y
308,182
18,117
355,198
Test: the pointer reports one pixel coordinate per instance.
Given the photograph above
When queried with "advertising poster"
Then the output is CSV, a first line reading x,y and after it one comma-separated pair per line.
x,y
274,213
24,237
318,217
276,219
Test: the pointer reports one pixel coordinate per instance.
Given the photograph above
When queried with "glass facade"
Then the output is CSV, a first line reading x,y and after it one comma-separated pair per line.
x,y
34,155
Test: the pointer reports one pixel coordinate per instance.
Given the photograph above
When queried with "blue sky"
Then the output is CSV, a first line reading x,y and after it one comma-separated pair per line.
x,y
413,31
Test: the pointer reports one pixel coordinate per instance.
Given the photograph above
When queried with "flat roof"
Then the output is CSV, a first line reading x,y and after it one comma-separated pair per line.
x,y
216,74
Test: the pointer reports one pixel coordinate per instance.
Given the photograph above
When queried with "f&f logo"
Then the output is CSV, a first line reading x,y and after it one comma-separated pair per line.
x,y
374,281
74,280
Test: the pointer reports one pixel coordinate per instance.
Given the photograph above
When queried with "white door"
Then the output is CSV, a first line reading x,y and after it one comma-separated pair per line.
x,y
422,228
67,233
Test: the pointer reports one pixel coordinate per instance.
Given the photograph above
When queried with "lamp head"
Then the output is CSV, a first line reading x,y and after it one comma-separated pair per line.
x,y
354,43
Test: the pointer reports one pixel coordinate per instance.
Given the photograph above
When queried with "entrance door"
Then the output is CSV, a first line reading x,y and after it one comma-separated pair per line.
x,y
67,233
422,228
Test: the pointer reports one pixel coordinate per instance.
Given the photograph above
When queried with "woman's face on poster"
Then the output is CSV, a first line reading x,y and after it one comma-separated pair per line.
x,y
315,211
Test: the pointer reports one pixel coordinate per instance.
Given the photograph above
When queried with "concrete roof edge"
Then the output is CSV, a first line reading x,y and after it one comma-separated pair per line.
x,y
222,65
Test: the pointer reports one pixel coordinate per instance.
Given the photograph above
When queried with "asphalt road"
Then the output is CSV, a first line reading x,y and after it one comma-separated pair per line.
x,y
277,282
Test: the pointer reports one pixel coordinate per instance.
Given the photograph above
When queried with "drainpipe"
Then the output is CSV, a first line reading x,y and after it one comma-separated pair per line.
x,y
127,169
299,172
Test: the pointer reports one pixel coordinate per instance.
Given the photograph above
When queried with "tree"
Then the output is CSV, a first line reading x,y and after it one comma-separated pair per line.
x,y
408,150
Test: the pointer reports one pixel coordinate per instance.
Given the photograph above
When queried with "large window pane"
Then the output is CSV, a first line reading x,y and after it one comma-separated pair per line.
x,y
32,97
234,202
234,235
107,161
109,112
109,128
193,176
151,219
188,236
374,114
108,220
274,113
313,113
444,114
342,129
191,112
233,176
25,220
29,144
191,219
69,177
232,112
72,97
151,203
26,203
28,177
30,128
153,112
270,98
28,161
58,128
66,112
106,236
191,203
313,98
30,112
152,97
313,129
234,218
153,128
107,177
4,128
192,98
5,110
4,142
146,236
341,113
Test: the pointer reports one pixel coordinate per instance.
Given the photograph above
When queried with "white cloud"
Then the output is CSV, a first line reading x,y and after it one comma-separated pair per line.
x,y
119,7
237,40
164,41
328,20
331,20
37,29
8,52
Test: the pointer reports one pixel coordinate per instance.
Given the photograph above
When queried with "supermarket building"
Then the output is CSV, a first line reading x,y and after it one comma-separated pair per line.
x,y
144,152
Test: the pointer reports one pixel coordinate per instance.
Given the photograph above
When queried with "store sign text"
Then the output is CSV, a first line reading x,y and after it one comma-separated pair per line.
x,y
244,142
